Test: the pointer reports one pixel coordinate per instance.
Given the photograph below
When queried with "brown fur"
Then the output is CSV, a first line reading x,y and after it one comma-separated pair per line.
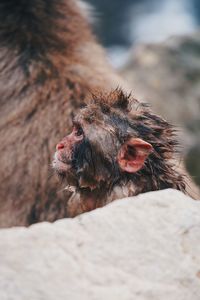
x,y
49,61
49,64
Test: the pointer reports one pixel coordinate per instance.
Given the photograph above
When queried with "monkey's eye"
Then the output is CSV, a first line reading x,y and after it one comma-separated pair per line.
x,y
78,130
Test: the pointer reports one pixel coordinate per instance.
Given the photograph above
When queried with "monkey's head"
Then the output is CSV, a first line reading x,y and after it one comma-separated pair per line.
x,y
114,140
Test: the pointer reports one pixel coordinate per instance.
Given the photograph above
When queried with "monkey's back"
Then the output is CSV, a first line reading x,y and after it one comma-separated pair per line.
x,y
49,64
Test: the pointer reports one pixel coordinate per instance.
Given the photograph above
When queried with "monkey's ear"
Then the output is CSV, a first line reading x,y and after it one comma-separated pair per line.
x,y
132,155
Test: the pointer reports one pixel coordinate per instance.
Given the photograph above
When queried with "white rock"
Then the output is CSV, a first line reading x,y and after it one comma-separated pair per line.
x,y
144,248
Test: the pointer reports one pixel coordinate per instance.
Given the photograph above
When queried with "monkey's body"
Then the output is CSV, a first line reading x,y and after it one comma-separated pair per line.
x,y
49,61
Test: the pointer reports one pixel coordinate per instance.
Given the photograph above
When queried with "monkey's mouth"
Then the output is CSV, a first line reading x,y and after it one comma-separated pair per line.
x,y
61,163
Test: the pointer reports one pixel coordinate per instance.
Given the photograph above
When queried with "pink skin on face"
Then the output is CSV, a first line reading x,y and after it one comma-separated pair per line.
x,y
64,149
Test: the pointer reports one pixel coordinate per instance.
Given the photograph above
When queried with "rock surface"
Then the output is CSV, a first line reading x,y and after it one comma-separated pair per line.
x,y
144,248
167,75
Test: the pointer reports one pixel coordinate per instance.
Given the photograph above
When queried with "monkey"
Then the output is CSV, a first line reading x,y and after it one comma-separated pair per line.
x,y
117,148
50,61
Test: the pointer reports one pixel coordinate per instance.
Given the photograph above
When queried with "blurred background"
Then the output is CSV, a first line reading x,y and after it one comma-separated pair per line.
x,y
155,45
122,23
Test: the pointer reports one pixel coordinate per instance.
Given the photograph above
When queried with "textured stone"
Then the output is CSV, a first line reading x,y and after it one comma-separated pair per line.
x,y
144,248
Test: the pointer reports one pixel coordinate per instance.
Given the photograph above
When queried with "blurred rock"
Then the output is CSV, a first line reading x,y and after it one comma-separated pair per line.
x,y
192,162
168,76
143,248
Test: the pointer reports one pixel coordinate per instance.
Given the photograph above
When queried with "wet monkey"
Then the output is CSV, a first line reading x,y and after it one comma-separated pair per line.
x,y
117,148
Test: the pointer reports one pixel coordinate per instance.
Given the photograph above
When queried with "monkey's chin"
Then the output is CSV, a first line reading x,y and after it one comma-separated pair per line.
x,y
65,172
60,167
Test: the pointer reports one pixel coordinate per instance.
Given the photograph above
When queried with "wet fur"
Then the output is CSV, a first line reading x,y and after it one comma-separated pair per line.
x,y
113,118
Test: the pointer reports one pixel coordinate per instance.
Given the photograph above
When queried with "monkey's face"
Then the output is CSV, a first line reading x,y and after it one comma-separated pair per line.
x,y
101,149
86,157
63,161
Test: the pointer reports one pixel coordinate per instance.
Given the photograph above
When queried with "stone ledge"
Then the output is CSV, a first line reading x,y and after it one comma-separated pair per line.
x,y
143,248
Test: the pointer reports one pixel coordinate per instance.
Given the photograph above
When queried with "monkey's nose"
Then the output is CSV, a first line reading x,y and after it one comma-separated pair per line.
x,y
60,146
